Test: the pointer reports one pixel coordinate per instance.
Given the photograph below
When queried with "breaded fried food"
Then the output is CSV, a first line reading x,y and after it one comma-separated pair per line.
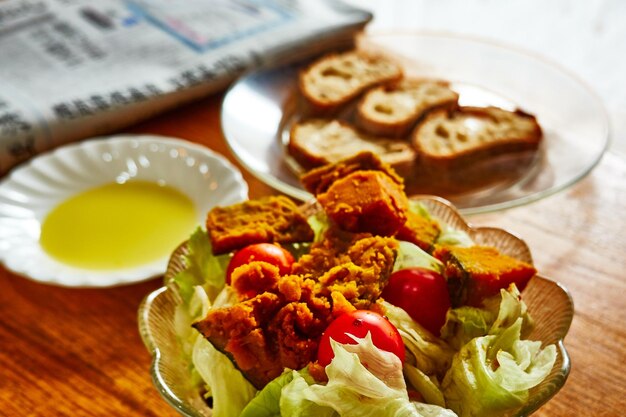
x,y
318,180
282,326
254,278
420,230
366,201
237,331
364,274
326,253
476,272
274,219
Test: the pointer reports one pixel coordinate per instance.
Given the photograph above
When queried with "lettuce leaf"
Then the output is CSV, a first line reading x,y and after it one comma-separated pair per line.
x,y
319,222
356,390
491,374
499,312
430,354
448,236
427,386
230,390
411,255
201,268
465,323
197,307
266,402
453,237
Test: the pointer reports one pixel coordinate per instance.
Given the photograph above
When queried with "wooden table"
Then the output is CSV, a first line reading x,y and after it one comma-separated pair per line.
x,y
77,352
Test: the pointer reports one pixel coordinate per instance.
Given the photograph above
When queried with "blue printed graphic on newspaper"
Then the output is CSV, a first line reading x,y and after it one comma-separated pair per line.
x,y
204,29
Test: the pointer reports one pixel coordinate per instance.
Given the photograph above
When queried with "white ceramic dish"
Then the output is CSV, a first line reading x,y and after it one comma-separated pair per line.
x,y
29,193
260,108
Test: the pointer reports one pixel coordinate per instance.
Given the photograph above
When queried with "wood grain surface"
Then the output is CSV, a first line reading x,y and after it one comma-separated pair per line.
x,y
77,352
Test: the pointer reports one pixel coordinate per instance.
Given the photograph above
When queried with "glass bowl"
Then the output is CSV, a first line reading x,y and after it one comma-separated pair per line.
x,y
548,302
259,109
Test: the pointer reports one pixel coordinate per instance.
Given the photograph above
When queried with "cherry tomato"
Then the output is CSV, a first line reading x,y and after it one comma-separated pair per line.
x,y
422,293
266,252
385,336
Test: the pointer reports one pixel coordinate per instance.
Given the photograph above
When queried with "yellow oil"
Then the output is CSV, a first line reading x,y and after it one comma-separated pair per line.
x,y
118,225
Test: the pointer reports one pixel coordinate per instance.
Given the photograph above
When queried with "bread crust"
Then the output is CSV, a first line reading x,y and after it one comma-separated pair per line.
x,y
337,78
317,142
452,139
393,110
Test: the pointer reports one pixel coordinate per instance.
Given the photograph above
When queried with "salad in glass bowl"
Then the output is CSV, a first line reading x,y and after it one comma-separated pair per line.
x,y
362,303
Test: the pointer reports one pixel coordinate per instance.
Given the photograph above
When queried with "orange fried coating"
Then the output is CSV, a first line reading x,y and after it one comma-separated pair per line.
x,y
366,201
238,332
477,272
325,254
362,275
302,304
419,230
290,325
274,219
318,180
255,278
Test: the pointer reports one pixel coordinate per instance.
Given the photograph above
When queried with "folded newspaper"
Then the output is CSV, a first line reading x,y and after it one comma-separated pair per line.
x,y
71,69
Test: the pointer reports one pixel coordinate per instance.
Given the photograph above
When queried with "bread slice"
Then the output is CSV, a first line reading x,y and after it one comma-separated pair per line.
x,y
317,142
392,110
337,78
453,139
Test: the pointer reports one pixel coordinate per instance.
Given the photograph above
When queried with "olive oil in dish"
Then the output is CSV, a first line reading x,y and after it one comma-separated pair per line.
x,y
118,226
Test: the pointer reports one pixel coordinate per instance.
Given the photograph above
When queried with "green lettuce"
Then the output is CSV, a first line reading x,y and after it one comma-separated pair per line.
x,y
354,389
266,402
411,255
427,386
429,354
453,237
448,236
280,398
196,308
319,222
493,373
419,208
230,390
197,284
465,323
201,268
498,312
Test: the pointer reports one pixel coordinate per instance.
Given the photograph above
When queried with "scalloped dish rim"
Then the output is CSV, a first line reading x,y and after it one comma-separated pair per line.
x,y
108,157
558,376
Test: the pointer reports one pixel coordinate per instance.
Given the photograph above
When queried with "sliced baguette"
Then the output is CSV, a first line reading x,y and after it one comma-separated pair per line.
x,y
392,110
317,142
335,79
457,138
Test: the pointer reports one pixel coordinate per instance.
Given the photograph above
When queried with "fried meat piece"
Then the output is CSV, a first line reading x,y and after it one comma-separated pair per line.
x,y
477,272
318,180
366,201
419,230
274,219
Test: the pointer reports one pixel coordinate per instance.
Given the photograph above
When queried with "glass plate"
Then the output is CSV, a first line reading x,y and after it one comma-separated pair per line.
x,y
548,302
31,191
259,109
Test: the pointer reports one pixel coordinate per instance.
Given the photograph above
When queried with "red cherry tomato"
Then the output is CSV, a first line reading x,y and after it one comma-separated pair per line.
x,y
385,336
422,293
266,252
